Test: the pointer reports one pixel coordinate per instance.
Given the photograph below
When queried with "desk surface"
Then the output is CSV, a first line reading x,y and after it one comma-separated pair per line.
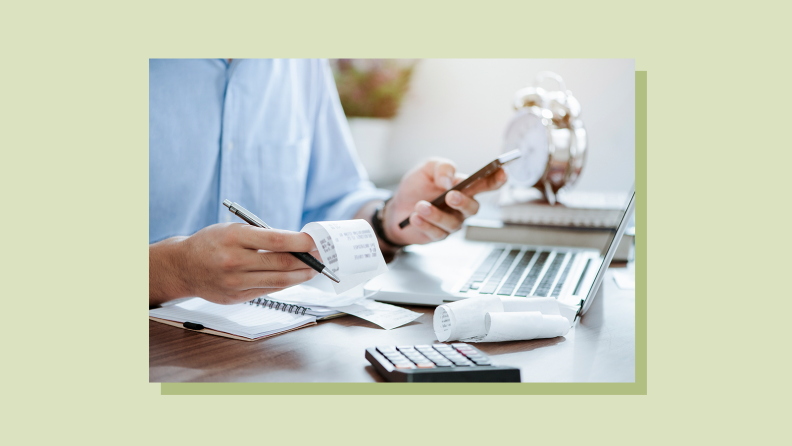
x,y
600,348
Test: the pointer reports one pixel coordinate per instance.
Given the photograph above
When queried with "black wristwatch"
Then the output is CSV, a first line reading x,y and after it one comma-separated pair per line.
x,y
376,223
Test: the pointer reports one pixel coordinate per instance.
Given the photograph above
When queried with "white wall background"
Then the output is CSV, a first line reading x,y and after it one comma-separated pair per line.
x,y
459,109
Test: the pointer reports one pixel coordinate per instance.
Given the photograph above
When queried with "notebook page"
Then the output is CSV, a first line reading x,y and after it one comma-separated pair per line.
x,y
240,319
318,292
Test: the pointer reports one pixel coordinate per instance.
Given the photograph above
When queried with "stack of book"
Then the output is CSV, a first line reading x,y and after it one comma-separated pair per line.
x,y
579,219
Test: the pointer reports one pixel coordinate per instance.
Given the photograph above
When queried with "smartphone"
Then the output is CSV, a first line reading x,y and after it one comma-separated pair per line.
x,y
484,172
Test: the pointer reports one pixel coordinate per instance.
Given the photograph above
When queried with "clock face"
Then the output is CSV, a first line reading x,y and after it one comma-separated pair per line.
x,y
527,134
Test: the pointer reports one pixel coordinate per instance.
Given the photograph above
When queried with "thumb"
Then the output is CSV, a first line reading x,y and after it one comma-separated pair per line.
x,y
444,174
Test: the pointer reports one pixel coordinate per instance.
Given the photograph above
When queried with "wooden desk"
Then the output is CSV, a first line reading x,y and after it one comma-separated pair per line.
x,y
601,348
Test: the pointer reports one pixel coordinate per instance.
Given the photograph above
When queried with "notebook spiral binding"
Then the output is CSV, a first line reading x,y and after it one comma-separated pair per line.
x,y
289,308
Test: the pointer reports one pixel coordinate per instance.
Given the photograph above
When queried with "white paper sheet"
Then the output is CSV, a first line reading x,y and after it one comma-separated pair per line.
x,y
384,315
318,292
350,249
494,319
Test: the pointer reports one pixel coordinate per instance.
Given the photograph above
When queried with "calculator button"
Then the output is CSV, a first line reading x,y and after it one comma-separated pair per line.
x,y
482,361
442,347
385,349
404,366
459,345
443,363
425,365
405,347
423,347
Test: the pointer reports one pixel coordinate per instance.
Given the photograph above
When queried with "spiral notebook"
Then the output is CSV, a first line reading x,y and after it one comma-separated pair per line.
x,y
249,321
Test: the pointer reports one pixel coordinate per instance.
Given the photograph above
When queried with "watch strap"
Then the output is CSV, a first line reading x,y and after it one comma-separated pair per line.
x,y
379,230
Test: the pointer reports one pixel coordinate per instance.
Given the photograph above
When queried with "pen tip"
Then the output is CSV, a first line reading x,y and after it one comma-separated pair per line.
x,y
227,203
330,275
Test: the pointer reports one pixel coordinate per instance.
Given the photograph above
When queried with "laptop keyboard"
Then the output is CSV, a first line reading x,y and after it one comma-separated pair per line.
x,y
514,277
493,281
533,275
530,267
562,279
482,271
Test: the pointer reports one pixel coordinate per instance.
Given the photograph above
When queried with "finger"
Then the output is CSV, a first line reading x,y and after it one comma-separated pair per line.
x,y
439,171
491,182
275,279
444,174
271,239
447,221
270,261
428,231
247,295
466,205
412,234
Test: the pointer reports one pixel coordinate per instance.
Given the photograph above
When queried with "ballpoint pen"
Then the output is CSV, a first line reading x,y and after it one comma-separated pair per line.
x,y
306,258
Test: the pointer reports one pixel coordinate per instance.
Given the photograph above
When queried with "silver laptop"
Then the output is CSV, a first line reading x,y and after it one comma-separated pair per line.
x,y
456,269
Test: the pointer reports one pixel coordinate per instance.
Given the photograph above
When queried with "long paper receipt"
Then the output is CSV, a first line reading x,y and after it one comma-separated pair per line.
x,y
350,249
384,315
495,319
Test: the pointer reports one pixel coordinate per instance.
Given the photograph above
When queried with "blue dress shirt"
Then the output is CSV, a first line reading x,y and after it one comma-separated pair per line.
x,y
268,134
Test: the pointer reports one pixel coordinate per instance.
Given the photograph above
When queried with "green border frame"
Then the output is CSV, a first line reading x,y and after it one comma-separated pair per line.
x,y
639,387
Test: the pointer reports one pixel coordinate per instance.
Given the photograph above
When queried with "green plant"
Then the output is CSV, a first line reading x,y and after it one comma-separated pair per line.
x,y
372,88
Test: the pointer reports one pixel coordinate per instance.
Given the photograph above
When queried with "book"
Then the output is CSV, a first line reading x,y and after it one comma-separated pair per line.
x,y
577,237
257,319
574,209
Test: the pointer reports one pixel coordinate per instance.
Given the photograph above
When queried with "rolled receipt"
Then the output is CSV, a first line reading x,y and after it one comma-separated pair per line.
x,y
493,319
464,318
521,326
350,249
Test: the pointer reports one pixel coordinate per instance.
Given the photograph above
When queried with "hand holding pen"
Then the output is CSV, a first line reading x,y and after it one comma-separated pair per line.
x,y
304,257
228,263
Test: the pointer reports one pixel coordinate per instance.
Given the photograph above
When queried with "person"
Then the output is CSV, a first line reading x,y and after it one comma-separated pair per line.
x,y
270,135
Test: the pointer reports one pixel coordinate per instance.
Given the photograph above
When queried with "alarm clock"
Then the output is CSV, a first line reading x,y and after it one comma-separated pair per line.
x,y
547,130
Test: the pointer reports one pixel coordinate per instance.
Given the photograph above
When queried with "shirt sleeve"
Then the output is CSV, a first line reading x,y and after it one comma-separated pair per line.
x,y
337,185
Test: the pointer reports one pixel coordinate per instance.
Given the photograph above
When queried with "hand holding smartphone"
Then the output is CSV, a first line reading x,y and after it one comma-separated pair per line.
x,y
484,172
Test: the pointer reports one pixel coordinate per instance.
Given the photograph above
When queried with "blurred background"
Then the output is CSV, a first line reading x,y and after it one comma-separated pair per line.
x,y
403,111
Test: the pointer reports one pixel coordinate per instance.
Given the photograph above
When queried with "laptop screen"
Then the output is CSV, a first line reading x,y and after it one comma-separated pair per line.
x,y
609,250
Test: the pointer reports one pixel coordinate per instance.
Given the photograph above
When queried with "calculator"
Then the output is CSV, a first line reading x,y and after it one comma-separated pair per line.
x,y
438,363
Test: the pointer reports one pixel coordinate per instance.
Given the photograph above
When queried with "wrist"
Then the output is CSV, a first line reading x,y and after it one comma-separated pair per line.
x,y
165,271
381,228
